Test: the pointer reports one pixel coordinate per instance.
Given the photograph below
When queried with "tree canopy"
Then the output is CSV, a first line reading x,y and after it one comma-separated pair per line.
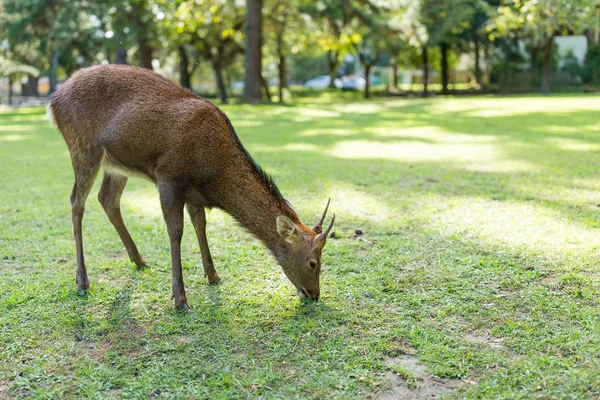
x,y
274,37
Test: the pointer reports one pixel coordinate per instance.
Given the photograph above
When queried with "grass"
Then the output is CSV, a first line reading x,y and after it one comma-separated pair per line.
x,y
479,260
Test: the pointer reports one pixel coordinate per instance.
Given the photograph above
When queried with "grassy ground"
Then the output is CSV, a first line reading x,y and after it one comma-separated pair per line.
x,y
477,275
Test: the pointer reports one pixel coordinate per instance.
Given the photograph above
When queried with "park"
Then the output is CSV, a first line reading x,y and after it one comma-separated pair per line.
x,y
463,263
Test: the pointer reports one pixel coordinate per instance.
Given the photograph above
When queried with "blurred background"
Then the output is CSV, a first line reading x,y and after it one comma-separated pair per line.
x,y
275,50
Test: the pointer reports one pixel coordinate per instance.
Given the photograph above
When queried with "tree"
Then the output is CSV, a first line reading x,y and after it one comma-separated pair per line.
x,y
337,35
372,44
40,31
427,23
476,32
131,23
214,29
10,68
540,21
253,52
178,39
444,21
284,34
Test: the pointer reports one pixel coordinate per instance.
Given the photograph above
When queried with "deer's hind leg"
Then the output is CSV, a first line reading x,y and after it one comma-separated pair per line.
x,y
198,217
109,196
85,167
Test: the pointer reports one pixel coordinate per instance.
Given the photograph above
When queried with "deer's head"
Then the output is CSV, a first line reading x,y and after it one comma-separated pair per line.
x,y
299,253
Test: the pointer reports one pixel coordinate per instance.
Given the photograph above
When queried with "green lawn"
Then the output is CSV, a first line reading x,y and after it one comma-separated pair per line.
x,y
477,276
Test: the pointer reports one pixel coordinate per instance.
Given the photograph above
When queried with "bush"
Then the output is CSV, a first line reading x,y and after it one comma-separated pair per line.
x,y
591,65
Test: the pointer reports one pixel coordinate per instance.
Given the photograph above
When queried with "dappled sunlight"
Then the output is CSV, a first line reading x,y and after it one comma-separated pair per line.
x,y
358,108
142,201
16,138
300,147
528,226
507,106
306,114
573,144
577,194
262,148
432,133
502,166
351,202
395,103
561,129
247,122
333,132
413,151
13,128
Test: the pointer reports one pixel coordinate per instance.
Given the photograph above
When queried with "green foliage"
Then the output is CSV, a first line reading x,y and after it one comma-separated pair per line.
x,y
35,29
445,19
541,20
591,66
8,67
192,32
570,64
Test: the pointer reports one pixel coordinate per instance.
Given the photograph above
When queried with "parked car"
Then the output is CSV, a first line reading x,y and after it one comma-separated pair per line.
x,y
353,83
321,82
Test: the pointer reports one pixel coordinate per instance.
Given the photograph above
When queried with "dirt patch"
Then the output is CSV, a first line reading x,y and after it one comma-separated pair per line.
x,y
100,350
484,339
4,390
414,382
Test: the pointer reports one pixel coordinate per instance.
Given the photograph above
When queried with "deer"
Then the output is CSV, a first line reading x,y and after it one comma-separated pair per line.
x,y
132,122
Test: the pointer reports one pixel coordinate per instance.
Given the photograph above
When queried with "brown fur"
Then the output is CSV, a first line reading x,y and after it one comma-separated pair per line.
x,y
133,122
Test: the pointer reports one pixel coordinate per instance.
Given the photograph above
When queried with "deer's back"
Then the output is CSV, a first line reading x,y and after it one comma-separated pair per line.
x,y
143,122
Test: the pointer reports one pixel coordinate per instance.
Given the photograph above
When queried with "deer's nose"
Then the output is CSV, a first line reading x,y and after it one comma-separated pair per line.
x,y
313,295
307,294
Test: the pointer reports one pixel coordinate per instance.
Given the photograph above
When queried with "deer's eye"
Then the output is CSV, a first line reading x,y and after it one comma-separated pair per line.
x,y
312,264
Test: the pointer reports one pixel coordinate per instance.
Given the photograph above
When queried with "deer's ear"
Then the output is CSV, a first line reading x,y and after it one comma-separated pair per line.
x,y
287,230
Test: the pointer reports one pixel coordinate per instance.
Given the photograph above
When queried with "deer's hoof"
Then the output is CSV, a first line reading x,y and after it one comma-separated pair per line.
x,y
83,285
141,264
214,280
184,307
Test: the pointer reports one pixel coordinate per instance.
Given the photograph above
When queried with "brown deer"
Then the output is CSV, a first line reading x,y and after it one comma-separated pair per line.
x,y
133,122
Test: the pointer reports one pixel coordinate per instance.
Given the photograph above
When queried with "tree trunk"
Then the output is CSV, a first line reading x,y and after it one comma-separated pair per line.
x,y
547,80
144,49
395,73
534,61
253,52
477,62
367,80
221,83
281,76
34,85
591,34
31,87
184,72
281,65
444,66
10,89
265,87
332,61
54,71
121,57
425,70
145,52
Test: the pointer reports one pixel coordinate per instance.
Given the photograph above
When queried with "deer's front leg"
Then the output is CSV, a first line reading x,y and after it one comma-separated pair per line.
x,y
198,217
172,203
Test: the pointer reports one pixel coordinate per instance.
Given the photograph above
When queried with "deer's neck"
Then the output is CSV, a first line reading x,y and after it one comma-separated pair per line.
x,y
251,201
